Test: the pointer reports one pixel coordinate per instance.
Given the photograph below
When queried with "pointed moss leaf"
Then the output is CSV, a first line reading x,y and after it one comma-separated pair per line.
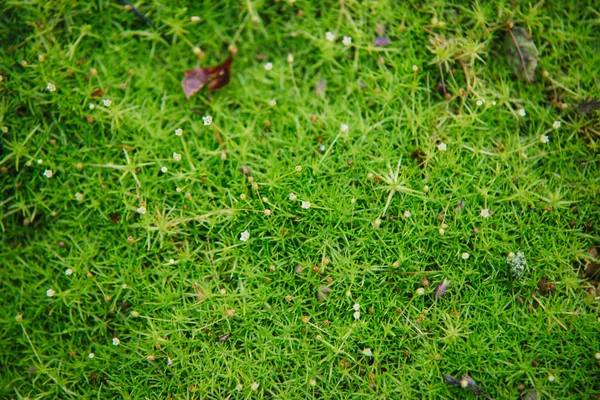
x,y
521,53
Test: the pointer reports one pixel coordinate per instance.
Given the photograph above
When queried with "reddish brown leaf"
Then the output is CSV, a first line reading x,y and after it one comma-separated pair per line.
x,y
545,286
215,77
98,92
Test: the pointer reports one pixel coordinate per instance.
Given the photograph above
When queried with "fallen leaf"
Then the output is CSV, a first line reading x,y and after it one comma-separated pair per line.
x,y
418,155
381,41
588,105
323,292
440,290
224,337
531,396
592,266
98,93
215,77
521,52
545,286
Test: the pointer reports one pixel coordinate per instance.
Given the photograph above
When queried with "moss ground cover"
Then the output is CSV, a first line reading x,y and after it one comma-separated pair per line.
x,y
374,202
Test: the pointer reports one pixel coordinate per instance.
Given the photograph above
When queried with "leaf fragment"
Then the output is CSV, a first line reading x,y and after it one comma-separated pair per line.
x,y
545,286
521,53
215,77
323,292
588,105
440,290
381,41
97,93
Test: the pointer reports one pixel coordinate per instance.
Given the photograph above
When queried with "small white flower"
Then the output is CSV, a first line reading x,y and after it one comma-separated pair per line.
x,y
597,356
420,291
544,139
178,190
322,148
164,170
356,315
19,318
116,341
273,103
135,313
178,132
415,68
290,58
92,106
479,103
485,213
195,19
244,236
141,210
176,156
169,362
107,102
40,161
356,306
79,196
556,124
254,386
426,188
268,66
293,197
239,387
68,271
48,173
207,120
298,168
465,256
367,352
493,103
442,147
551,378
330,36
50,292
306,205
521,112
91,355
347,40
344,128
50,86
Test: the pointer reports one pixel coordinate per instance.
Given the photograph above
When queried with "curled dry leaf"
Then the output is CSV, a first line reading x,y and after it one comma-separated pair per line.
x,y
440,290
215,77
98,93
521,52
592,266
323,292
546,287
224,337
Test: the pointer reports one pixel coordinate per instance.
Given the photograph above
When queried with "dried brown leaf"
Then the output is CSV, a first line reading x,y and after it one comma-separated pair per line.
x,y
215,77
98,93
546,287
